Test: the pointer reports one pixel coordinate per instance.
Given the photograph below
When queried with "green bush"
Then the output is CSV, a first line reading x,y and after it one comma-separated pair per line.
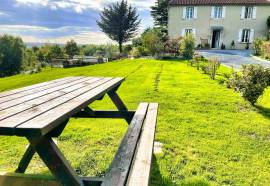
x,y
151,41
30,62
213,66
187,47
252,82
257,46
11,55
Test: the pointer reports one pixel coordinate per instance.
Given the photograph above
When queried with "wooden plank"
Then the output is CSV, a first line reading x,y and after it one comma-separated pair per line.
x,y
32,91
45,122
55,161
105,114
119,169
49,97
141,166
15,91
40,109
17,101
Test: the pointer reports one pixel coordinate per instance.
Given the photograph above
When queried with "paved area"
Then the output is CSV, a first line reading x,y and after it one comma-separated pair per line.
x,y
234,58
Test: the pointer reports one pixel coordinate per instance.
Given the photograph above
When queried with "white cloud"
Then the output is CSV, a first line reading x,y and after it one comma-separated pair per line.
x,y
82,35
3,14
81,5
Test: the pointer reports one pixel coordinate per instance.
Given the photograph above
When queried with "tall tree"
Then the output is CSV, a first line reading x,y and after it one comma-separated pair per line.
x,y
11,55
71,48
160,14
120,22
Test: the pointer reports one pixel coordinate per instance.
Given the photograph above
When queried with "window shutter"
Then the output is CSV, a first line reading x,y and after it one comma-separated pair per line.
x,y
240,35
195,12
194,32
183,32
254,12
213,12
243,12
251,36
223,12
184,12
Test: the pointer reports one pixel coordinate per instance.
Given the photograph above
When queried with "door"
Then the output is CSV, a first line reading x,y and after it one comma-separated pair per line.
x,y
215,38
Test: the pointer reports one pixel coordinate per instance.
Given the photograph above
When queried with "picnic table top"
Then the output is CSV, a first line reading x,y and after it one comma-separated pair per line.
x,y
38,109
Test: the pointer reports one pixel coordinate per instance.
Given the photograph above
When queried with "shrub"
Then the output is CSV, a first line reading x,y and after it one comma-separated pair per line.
x,y
213,66
197,59
232,44
266,50
252,82
151,41
135,53
257,46
223,46
187,46
172,46
30,62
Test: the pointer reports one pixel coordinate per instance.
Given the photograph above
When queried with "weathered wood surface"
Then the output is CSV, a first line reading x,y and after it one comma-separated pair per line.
x,y
141,166
38,109
119,169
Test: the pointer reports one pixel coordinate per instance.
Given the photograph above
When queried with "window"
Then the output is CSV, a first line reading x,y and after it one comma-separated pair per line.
x,y
218,12
245,36
189,12
248,12
188,31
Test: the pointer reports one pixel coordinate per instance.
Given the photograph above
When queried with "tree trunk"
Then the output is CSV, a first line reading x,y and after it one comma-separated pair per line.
x,y
120,47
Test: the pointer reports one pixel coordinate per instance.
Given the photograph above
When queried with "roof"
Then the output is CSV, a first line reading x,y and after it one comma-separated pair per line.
x,y
219,2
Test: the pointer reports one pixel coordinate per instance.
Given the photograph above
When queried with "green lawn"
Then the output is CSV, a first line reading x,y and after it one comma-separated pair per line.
x,y
211,136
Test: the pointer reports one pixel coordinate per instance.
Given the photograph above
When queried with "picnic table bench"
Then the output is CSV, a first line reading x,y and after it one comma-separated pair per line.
x,y
42,111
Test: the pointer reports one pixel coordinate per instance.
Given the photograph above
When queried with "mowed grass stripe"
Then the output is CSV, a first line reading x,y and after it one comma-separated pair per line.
x,y
210,135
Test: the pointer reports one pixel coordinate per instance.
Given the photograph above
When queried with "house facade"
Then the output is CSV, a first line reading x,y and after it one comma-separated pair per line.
x,y
234,23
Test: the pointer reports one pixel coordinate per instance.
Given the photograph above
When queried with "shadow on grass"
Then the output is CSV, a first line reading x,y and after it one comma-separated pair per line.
x,y
263,110
156,178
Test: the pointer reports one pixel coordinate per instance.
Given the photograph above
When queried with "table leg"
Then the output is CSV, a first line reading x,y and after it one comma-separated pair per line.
x,y
55,161
119,104
27,157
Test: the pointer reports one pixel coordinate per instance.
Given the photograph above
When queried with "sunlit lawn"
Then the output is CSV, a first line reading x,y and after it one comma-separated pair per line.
x,y
211,136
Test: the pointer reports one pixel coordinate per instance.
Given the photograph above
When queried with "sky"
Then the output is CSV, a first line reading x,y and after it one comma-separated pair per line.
x,y
57,21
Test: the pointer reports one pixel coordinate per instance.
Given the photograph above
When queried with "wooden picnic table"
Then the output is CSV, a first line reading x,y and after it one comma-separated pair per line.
x,y
42,111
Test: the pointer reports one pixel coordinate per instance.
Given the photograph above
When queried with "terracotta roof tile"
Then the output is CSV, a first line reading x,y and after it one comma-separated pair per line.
x,y
219,2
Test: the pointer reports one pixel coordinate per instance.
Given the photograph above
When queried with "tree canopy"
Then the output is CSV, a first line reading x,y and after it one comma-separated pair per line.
x,y
120,22
71,48
159,13
11,55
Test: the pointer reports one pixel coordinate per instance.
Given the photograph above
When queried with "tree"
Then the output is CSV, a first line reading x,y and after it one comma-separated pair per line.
x,y
55,52
30,61
268,22
120,22
71,48
11,55
152,42
160,14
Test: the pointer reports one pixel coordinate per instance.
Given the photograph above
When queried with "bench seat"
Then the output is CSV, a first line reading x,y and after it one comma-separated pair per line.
x,y
132,162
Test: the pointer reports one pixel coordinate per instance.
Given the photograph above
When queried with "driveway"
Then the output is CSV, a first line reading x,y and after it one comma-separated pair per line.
x,y
233,58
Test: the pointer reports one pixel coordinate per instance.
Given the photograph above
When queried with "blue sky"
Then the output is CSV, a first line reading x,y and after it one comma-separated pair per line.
x,y
56,21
